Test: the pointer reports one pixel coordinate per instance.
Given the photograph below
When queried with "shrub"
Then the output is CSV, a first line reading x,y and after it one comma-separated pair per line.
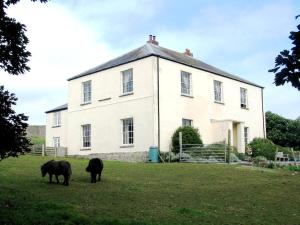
x,y
241,156
265,147
234,158
190,135
169,156
260,161
293,168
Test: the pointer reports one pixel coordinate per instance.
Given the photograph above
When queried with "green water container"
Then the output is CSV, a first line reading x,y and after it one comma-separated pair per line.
x,y
153,154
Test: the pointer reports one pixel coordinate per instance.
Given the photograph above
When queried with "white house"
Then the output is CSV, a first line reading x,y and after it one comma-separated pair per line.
x,y
138,100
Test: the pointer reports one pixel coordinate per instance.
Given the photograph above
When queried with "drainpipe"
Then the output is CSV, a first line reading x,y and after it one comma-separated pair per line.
x,y
158,107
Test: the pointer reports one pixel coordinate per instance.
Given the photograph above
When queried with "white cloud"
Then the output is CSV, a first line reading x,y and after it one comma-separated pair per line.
x,y
61,47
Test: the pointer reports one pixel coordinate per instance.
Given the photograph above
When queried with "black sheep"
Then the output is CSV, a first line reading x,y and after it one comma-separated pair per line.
x,y
95,167
57,168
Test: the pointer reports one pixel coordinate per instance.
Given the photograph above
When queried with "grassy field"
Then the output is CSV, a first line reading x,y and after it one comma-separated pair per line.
x,y
139,193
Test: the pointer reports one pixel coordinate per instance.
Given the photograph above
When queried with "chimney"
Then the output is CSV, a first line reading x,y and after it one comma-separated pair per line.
x,y
188,52
152,40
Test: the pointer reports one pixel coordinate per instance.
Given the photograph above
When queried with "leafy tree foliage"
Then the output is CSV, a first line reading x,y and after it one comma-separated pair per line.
x,y
287,64
282,131
13,59
13,140
13,53
190,135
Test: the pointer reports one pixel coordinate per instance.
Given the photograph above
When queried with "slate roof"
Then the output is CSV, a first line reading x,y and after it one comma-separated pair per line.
x,y
59,108
154,50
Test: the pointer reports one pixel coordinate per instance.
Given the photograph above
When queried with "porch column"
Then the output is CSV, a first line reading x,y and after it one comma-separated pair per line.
x,y
240,138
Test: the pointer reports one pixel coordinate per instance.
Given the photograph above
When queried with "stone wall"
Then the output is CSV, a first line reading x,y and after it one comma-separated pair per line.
x,y
119,156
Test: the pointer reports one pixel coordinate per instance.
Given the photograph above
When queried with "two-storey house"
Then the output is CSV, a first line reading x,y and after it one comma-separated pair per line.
x,y
138,100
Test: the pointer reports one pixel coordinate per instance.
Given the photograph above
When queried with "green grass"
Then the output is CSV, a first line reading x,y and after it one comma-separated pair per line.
x,y
37,140
140,193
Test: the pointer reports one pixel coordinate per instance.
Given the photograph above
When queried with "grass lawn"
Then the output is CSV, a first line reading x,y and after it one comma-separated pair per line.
x,y
140,193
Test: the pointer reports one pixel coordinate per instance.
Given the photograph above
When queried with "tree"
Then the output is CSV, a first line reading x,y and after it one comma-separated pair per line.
x,y
287,64
282,131
13,60
13,128
190,135
13,53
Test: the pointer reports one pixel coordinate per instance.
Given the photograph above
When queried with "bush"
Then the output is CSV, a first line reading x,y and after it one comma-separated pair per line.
x,y
169,156
241,156
260,161
263,147
293,168
190,135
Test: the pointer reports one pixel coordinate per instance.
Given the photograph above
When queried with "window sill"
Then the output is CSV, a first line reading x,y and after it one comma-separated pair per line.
x,y
125,94
56,126
126,146
245,108
104,99
85,103
222,103
85,149
185,95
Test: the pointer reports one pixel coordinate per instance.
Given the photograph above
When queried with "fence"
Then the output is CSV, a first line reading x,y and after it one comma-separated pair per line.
x,y
41,150
214,153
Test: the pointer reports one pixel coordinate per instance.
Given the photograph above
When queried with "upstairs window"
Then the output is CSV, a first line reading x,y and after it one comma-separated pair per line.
x,y
186,83
244,98
57,119
127,81
127,131
87,91
187,122
218,91
86,135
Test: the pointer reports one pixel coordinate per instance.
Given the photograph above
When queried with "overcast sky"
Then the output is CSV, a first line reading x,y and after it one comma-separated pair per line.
x,y
69,36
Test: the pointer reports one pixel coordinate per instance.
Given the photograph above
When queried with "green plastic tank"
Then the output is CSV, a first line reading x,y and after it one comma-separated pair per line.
x,y
153,154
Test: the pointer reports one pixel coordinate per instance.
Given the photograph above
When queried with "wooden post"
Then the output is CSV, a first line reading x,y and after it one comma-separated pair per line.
x,y
43,150
180,146
294,156
170,154
275,160
225,152
229,141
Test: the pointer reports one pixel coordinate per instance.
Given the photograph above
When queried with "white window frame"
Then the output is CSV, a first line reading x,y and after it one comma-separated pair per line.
x,y
86,96
244,98
127,135
86,135
246,135
56,142
218,91
57,119
186,91
187,122
127,86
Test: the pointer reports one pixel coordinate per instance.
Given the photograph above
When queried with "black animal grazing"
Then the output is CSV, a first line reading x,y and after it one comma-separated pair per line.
x,y
95,167
57,168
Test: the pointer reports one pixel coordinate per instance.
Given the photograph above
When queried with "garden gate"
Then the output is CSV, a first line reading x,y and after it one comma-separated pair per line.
x,y
212,153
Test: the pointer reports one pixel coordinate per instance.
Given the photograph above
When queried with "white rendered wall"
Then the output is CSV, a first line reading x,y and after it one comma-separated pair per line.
x,y
201,107
53,131
105,116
